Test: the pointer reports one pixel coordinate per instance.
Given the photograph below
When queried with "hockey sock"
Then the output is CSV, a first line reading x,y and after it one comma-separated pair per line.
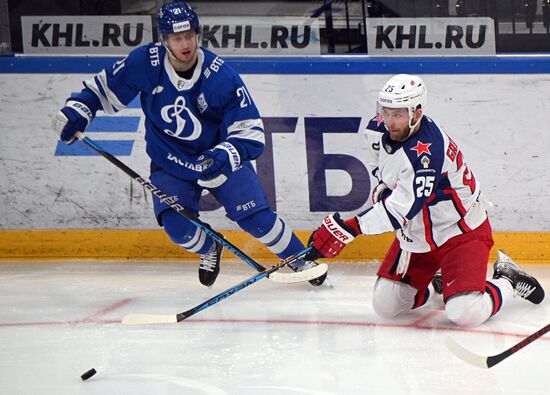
x,y
181,231
421,298
500,291
273,232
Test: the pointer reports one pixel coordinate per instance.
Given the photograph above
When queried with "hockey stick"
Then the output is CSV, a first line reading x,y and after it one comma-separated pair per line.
x,y
490,361
304,275
144,319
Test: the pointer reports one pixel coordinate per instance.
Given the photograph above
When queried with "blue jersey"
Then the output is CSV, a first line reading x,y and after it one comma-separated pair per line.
x,y
183,117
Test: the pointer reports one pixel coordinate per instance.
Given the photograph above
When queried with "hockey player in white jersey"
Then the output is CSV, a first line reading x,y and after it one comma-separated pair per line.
x,y
431,198
202,129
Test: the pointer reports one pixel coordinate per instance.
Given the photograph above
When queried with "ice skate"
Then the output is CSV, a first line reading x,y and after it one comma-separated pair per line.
x,y
525,285
301,265
210,265
437,283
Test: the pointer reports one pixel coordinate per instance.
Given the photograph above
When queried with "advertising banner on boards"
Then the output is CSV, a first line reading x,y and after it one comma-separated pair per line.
x,y
246,35
430,36
117,35
85,35
314,161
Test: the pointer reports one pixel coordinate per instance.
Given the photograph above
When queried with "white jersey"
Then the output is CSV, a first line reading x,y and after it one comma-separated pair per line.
x,y
434,194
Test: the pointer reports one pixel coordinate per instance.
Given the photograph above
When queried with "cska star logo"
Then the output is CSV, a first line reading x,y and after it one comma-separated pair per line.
x,y
421,148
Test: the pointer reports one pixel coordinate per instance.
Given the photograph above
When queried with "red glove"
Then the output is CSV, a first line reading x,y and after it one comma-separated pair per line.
x,y
332,236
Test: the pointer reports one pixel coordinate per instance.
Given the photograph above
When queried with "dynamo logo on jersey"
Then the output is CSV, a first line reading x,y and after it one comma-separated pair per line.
x,y
172,112
107,125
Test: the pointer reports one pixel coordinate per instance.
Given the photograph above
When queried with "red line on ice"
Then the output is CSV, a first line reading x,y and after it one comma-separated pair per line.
x,y
418,324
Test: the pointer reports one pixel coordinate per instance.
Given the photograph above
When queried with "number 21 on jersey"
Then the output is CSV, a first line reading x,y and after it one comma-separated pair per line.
x,y
244,96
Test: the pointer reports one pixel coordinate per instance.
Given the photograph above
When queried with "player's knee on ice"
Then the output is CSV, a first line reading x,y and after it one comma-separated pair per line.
x,y
181,231
391,298
468,309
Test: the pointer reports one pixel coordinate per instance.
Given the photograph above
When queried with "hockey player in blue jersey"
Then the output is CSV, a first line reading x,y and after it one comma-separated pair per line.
x,y
428,195
202,129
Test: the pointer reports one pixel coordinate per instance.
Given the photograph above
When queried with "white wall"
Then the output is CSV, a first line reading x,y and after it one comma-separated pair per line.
x,y
500,122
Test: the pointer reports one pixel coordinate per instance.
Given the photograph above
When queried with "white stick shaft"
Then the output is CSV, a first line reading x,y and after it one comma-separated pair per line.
x,y
465,355
145,319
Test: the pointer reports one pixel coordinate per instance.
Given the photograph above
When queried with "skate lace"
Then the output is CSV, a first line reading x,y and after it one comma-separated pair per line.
x,y
209,261
524,290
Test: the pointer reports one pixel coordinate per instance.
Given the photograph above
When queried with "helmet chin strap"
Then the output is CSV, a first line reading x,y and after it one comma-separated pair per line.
x,y
412,127
171,54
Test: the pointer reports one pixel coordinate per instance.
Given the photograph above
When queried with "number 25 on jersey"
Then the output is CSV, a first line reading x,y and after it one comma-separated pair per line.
x,y
424,185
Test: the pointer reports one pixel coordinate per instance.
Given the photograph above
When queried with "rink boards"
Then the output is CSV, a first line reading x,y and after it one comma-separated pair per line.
x,y
525,247
63,202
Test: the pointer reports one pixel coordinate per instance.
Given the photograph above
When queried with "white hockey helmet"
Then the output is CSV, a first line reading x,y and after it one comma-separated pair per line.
x,y
403,91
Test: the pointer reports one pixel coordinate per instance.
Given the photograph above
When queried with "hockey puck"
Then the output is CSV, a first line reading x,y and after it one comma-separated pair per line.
x,y
88,374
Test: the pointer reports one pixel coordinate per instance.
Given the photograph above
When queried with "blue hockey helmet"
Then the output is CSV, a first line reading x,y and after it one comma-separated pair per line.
x,y
176,17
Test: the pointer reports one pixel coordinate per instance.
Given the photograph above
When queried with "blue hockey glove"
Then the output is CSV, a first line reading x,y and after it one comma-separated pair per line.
x,y
74,117
217,164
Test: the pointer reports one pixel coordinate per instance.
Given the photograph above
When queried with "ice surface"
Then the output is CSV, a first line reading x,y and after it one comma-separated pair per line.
x,y
60,319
